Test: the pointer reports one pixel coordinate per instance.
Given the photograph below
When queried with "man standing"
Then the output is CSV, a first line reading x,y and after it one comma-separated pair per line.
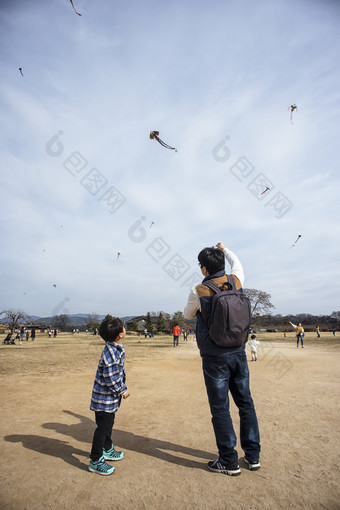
x,y
176,331
224,368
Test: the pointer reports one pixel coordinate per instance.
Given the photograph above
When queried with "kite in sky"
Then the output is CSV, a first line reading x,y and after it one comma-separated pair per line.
x,y
20,69
292,107
263,192
152,223
298,237
154,135
55,285
75,9
118,255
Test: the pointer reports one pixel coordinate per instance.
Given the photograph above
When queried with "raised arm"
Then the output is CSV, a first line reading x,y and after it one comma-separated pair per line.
x,y
235,265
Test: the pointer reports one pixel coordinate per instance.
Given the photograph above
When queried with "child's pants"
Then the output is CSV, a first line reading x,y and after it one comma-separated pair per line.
x,y
102,434
253,355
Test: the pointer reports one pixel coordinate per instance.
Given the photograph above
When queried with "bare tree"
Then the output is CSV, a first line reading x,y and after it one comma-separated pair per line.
x,y
92,320
61,322
260,301
12,317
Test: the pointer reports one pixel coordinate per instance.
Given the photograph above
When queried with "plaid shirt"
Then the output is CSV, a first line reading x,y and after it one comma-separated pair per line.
x,y
109,384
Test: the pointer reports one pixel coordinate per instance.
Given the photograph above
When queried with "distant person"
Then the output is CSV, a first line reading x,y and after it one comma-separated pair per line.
x,y
333,331
27,335
253,343
33,334
22,334
317,329
285,334
225,369
300,332
55,333
176,331
185,336
108,389
145,334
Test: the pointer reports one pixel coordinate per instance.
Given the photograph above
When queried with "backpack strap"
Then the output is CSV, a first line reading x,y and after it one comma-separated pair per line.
x,y
213,286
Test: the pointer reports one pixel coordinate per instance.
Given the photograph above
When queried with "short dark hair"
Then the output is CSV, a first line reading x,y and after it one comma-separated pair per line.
x,y
212,259
253,337
110,329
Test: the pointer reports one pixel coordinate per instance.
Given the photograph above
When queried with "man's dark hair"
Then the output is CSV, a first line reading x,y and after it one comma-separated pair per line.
x,y
213,259
110,329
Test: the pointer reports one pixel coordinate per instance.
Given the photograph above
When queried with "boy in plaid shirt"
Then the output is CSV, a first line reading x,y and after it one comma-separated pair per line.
x,y
108,389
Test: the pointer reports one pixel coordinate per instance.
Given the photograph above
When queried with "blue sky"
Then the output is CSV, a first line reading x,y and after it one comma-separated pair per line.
x,y
78,170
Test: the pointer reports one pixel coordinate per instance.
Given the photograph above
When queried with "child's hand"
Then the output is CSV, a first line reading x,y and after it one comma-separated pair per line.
x,y
220,246
126,394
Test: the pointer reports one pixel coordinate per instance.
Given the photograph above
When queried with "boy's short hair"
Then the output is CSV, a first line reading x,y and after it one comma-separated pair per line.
x,y
110,329
213,259
253,337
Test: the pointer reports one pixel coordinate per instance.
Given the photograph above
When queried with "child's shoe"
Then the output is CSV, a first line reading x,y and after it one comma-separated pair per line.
x,y
112,454
101,467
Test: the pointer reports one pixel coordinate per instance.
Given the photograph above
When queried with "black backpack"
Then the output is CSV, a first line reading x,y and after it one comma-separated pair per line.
x,y
229,320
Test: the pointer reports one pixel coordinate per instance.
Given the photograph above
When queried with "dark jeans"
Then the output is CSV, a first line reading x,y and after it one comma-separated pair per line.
x,y
221,374
299,337
175,340
102,434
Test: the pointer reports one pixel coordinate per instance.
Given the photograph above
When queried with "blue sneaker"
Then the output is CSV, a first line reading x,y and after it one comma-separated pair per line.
x,y
112,454
101,467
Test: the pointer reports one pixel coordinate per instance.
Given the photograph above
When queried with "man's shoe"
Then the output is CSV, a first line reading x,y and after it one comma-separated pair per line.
x,y
253,466
227,469
112,454
101,467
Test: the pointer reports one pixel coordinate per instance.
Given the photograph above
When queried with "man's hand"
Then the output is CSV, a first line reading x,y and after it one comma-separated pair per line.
x,y
126,394
220,246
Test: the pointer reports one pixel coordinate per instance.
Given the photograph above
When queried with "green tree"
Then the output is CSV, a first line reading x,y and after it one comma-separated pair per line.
x,y
148,322
108,316
177,318
134,325
161,325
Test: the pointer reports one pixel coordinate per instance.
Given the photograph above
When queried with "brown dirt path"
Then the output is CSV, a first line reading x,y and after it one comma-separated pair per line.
x,y
165,429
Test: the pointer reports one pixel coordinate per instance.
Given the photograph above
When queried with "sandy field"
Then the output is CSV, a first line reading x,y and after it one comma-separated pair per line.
x,y
165,428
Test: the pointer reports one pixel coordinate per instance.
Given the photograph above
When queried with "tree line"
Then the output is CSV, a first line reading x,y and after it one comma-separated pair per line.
x,y
163,322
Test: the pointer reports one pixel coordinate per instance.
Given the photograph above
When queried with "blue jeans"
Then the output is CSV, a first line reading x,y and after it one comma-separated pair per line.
x,y
221,374
299,337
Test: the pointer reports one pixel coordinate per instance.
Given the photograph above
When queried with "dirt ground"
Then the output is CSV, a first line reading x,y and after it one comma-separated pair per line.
x,y
165,428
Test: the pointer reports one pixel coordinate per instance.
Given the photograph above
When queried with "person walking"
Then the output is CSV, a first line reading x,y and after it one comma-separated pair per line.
x,y
225,369
253,343
176,331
